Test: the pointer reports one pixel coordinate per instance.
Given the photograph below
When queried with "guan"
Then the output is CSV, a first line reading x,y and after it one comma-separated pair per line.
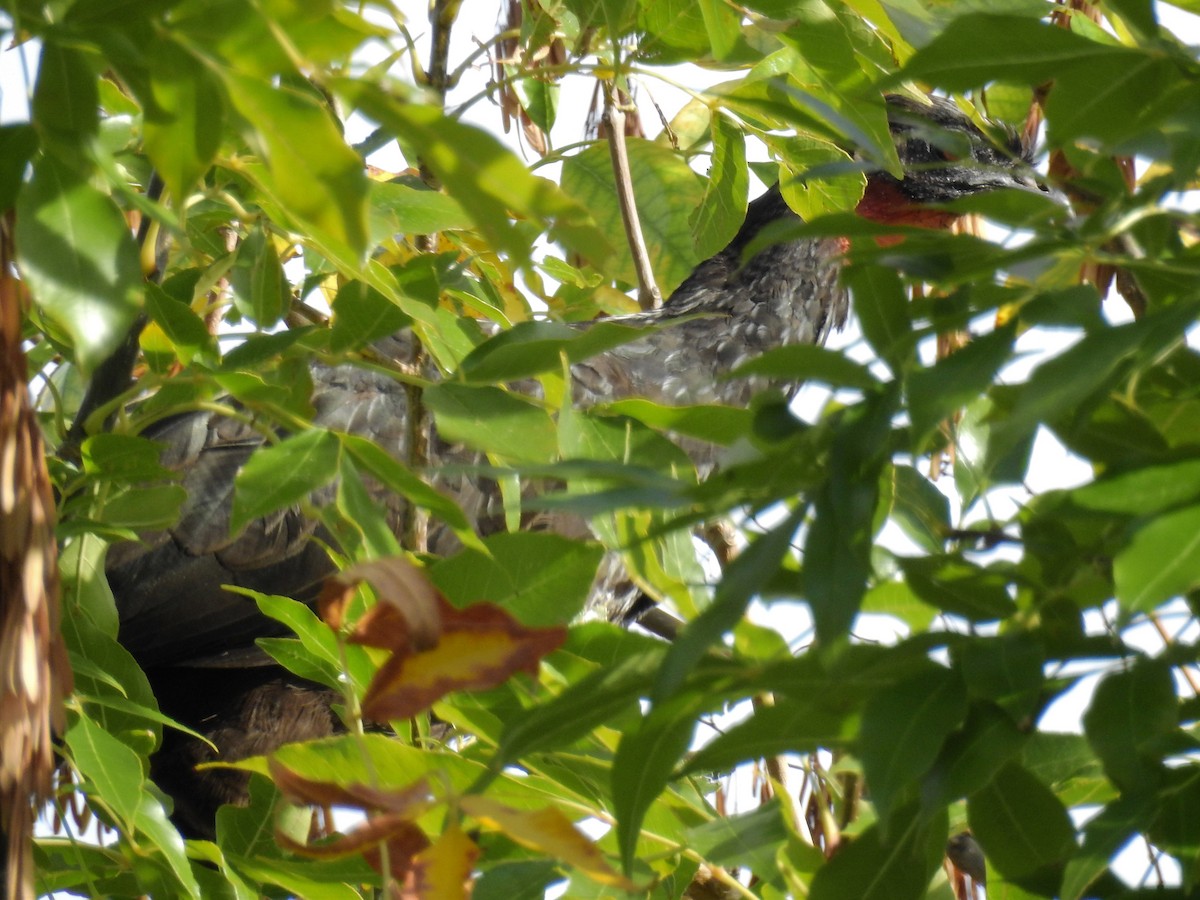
x,y
196,640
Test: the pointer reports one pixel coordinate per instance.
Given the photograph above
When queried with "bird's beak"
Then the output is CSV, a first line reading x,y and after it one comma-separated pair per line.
x,y
1034,183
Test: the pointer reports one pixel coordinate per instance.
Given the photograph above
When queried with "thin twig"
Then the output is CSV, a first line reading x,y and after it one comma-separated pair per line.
x,y
415,526
1169,640
649,296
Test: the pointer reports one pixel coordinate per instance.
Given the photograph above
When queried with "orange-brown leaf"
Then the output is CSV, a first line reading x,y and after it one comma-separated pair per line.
x,y
480,649
410,802
443,871
547,831
404,841
408,612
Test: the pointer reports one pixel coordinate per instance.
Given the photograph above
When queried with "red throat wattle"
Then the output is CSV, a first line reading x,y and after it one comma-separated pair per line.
x,y
884,202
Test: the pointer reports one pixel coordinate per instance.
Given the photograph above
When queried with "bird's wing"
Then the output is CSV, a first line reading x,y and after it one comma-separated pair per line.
x,y
168,586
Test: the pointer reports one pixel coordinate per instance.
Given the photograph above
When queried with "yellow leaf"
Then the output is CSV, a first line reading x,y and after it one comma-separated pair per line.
x,y
443,870
547,831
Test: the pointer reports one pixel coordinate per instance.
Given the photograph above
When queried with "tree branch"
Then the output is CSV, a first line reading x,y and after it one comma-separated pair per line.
x,y
115,375
649,296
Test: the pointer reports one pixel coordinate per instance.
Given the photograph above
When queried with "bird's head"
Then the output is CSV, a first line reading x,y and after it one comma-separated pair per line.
x,y
945,156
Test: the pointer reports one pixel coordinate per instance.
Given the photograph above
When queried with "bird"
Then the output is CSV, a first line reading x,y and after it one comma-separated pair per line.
x,y
196,641
967,856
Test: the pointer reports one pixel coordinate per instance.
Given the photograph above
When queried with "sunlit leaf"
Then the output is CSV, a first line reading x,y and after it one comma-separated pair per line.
x,y
667,192
319,179
112,769
482,175
478,648
542,579
547,831
79,259
493,420
443,870
183,127
260,286
717,218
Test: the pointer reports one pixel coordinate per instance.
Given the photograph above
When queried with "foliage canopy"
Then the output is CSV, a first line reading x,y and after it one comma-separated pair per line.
x,y
266,213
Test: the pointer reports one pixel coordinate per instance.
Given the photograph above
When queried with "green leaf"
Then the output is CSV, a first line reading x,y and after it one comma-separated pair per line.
x,y
18,143
152,823
316,177
493,420
645,759
1175,828
1002,668
585,705
123,458
1057,758
183,328
667,192
875,867
531,348
1103,836
721,24
1161,561
721,212
482,175
1143,492
819,177
1024,830
243,829
748,839
978,48
362,525
986,455
66,103
516,880
790,725
808,363
918,507
260,289
723,425
183,126
409,206
279,476
315,636
76,254
960,587
903,728
1127,723
883,313
376,461
829,59
361,314
1060,386
113,771
542,579
145,507
673,31
837,551
937,392
971,756
748,574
